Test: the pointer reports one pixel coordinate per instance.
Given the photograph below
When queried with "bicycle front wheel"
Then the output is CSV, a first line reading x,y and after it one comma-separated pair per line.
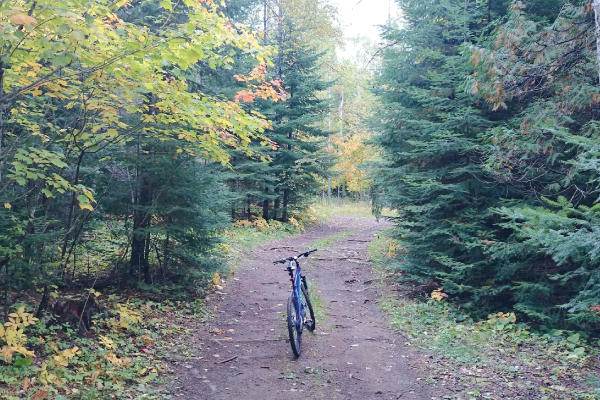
x,y
294,326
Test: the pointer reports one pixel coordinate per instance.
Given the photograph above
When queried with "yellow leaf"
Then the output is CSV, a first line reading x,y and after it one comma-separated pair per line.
x,y
86,206
107,342
25,384
22,19
36,92
88,194
7,205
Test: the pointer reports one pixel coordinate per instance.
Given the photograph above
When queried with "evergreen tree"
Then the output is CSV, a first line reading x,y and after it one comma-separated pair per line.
x,y
547,154
429,138
299,158
489,134
286,174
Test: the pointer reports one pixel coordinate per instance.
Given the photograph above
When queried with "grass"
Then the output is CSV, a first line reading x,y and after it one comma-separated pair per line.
x,y
317,303
248,238
326,241
342,207
346,207
488,359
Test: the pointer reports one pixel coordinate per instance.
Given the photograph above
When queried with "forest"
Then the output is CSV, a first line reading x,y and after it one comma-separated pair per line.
x,y
133,133
489,140
141,140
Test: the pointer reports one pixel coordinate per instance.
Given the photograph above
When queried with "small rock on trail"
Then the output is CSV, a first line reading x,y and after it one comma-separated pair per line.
x,y
353,354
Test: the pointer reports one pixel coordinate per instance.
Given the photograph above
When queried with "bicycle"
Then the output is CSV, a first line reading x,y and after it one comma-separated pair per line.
x,y
298,302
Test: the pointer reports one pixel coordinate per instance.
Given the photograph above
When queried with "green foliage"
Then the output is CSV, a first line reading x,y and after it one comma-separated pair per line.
x,y
285,179
429,135
482,357
545,152
489,137
128,355
108,143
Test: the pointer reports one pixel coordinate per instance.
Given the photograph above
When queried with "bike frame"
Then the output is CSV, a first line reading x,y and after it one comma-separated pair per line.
x,y
296,279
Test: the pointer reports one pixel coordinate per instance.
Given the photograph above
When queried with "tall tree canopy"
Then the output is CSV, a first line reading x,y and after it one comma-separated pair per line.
x,y
97,102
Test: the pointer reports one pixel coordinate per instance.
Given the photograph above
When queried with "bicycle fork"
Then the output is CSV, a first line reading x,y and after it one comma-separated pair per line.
x,y
297,290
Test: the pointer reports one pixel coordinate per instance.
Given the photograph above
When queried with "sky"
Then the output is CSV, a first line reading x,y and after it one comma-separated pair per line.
x,y
361,17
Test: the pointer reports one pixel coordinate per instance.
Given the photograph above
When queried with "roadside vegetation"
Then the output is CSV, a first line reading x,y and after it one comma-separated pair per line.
x,y
497,357
122,345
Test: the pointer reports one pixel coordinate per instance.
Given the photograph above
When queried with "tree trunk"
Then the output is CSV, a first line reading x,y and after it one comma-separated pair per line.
x,y
165,256
276,204
596,7
280,42
72,207
1,115
265,22
266,206
141,222
286,199
329,147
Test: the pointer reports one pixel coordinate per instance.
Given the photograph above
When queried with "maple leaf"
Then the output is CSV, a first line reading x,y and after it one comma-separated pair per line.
x,y
245,96
22,19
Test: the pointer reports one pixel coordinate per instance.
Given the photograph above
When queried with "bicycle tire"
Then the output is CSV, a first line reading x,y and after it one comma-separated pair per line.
x,y
312,324
295,333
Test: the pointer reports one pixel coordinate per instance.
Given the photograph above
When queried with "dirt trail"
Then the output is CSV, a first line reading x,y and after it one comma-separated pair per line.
x,y
352,354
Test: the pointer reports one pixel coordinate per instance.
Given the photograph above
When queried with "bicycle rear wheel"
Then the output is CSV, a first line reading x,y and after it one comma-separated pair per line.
x,y
311,323
294,327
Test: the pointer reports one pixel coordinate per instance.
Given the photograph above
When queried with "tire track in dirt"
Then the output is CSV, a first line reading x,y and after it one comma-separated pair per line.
x,y
353,354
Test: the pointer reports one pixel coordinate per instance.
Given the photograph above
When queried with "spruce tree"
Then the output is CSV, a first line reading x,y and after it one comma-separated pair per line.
x,y
540,68
429,137
286,175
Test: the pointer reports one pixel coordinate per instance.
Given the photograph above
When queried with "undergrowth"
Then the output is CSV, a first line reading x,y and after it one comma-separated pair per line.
x,y
244,235
317,303
119,357
126,352
491,359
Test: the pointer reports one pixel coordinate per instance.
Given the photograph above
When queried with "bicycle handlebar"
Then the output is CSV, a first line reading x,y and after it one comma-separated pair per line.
x,y
291,258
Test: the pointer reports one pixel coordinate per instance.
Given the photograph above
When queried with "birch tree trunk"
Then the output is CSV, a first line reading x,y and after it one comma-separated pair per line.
x,y
596,7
